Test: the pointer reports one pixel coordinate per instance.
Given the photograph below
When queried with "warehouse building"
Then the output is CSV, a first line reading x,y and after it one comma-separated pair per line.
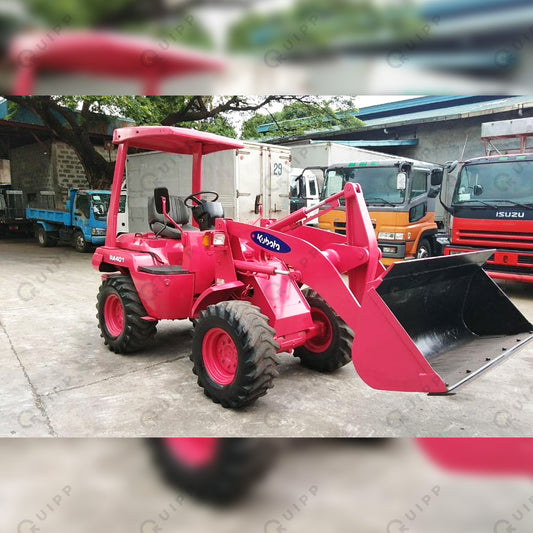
x,y
430,128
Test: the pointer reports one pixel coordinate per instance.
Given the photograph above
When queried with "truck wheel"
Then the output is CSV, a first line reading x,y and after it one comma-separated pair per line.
x,y
332,347
424,249
44,238
212,469
119,315
233,353
80,243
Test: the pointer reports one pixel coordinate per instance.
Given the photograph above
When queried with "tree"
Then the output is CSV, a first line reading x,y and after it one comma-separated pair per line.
x,y
68,118
304,115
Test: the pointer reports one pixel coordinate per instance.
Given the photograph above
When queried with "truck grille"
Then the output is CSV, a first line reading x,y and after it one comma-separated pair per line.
x,y
525,259
509,269
340,227
498,238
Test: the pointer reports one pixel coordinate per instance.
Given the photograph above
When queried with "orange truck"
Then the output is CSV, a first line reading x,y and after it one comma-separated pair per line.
x,y
400,195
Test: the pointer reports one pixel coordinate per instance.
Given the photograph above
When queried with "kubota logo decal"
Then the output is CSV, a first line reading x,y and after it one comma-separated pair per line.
x,y
269,242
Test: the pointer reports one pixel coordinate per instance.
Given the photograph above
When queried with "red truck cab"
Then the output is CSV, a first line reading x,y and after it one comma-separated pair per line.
x,y
492,208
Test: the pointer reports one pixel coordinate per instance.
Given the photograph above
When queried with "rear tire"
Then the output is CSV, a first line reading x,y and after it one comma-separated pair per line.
x,y
44,238
80,243
233,353
333,348
424,249
119,315
235,466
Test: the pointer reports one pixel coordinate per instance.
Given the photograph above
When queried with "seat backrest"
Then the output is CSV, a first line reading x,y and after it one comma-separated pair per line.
x,y
176,210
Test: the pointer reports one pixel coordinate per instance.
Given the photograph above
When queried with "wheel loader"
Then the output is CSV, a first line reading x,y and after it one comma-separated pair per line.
x,y
255,290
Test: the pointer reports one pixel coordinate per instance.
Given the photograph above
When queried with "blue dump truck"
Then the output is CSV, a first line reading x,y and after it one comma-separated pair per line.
x,y
83,223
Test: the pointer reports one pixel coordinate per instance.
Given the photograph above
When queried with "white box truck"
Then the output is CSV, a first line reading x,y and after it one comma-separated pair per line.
x,y
256,174
325,154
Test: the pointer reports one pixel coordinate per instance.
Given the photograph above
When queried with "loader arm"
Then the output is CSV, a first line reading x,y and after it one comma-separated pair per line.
x,y
426,325
321,267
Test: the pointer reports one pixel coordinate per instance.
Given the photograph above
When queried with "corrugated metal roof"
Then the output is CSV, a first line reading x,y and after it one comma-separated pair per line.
x,y
368,142
444,112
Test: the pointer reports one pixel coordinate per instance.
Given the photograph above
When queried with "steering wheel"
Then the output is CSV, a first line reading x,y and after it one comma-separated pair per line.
x,y
197,201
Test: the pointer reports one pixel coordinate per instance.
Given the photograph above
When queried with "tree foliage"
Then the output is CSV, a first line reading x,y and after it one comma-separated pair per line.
x,y
304,115
69,118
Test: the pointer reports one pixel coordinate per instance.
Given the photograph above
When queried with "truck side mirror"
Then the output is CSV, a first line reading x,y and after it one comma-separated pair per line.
x,y
257,206
436,177
401,181
159,194
478,190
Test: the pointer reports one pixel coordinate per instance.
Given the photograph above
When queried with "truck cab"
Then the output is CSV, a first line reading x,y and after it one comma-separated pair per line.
x,y
492,207
400,196
304,187
89,213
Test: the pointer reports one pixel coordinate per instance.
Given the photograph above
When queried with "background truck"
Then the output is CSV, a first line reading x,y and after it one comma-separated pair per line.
x,y
257,174
400,195
492,203
82,224
12,211
305,187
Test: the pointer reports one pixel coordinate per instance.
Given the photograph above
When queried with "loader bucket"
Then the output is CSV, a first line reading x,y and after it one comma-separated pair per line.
x,y
433,324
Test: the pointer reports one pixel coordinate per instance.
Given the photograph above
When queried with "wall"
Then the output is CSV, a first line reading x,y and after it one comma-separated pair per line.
x,y
31,169
52,166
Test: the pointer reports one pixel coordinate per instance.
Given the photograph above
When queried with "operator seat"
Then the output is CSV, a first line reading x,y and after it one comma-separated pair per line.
x,y
177,212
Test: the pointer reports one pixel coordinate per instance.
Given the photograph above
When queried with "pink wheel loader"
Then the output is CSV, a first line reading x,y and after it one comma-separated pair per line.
x,y
254,290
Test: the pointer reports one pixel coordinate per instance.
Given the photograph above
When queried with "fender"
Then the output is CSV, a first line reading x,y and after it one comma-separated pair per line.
x,y
46,226
215,294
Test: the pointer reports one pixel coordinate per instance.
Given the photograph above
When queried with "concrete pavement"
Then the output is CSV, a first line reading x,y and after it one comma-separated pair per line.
x,y
58,378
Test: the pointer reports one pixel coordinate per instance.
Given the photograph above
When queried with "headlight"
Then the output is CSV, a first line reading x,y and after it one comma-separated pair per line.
x,y
219,239
390,250
386,235
399,236
98,232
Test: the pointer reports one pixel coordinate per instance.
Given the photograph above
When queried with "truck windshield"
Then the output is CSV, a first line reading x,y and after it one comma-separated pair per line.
x,y
100,205
495,184
378,183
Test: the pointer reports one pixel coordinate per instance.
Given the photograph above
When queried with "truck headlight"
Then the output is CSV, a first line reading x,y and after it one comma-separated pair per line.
x,y
98,232
390,250
386,235
399,236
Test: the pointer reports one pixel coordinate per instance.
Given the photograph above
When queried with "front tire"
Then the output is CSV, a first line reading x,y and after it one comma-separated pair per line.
x,y
233,353
119,314
332,347
80,243
424,249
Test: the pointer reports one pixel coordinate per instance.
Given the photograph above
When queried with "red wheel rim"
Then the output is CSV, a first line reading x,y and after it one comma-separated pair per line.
x,y
220,356
324,332
193,452
114,315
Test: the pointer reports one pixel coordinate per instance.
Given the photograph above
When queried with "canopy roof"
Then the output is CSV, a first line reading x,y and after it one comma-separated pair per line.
x,y
105,53
174,140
